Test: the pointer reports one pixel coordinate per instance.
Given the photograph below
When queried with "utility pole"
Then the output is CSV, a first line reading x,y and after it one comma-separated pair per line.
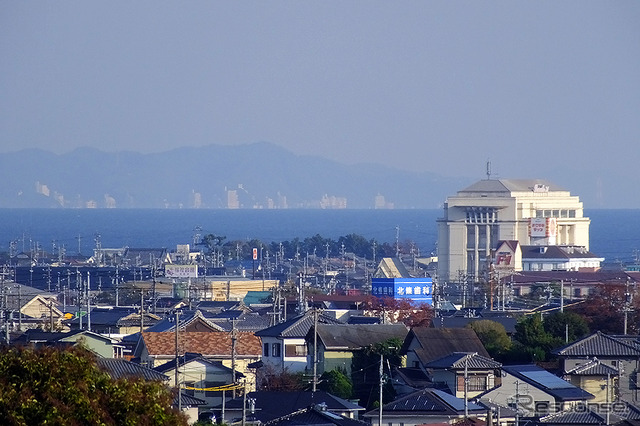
x,y
178,361
88,292
381,383
141,310
234,338
315,348
466,386
627,306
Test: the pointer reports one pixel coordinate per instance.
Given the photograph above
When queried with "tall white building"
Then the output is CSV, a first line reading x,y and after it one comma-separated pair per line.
x,y
531,212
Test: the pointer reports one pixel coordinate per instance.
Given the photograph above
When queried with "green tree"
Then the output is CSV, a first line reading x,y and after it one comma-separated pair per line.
x,y
336,383
365,367
559,323
533,342
65,387
213,242
493,336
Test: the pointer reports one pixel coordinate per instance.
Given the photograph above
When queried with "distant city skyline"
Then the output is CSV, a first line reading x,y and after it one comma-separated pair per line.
x,y
541,89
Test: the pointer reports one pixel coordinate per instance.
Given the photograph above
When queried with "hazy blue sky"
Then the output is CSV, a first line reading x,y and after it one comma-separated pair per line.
x,y
541,88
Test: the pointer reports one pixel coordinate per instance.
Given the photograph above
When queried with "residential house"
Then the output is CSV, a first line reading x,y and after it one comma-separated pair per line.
x,y
99,344
424,344
534,391
337,343
234,350
426,406
270,405
576,285
196,321
29,308
559,258
620,352
284,347
316,414
597,378
114,320
619,413
465,374
201,377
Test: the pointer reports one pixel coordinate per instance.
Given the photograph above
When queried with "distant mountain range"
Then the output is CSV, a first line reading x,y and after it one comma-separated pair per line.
x,y
258,175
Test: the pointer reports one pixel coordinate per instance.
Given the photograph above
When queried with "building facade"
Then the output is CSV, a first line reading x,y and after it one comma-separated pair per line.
x,y
477,218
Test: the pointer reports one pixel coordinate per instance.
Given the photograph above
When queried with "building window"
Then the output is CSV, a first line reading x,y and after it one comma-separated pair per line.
x,y
275,349
265,352
572,213
295,350
477,383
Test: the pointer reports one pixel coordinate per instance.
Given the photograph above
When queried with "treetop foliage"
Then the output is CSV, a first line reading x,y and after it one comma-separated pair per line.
x,y
66,387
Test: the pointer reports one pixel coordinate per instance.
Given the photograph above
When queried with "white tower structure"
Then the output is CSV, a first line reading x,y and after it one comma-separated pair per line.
x,y
532,212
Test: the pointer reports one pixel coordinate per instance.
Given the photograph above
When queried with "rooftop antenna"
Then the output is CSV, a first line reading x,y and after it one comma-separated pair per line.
x,y
488,169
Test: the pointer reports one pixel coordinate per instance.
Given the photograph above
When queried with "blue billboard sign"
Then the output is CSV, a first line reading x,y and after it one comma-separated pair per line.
x,y
416,289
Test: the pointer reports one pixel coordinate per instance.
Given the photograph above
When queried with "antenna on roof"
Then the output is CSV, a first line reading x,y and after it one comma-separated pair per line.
x,y
488,169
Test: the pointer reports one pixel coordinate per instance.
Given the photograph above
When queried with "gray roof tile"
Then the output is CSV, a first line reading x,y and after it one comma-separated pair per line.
x,y
600,345
457,360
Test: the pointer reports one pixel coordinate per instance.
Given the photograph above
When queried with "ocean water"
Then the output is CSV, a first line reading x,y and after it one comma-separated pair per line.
x,y
614,234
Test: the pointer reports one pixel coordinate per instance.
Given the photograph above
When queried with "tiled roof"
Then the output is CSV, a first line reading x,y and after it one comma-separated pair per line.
x,y
191,321
296,327
119,368
586,417
357,336
458,360
593,368
244,322
599,345
438,342
205,343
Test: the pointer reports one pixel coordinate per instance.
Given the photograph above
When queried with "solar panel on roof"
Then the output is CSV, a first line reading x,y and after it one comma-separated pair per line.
x,y
546,379
455,402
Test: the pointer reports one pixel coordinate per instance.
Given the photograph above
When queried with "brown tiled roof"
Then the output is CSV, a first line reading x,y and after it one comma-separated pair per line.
x,y
205,343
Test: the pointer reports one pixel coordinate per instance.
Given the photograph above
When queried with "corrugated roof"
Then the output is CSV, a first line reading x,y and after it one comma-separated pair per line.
x,y
119,368
205,343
